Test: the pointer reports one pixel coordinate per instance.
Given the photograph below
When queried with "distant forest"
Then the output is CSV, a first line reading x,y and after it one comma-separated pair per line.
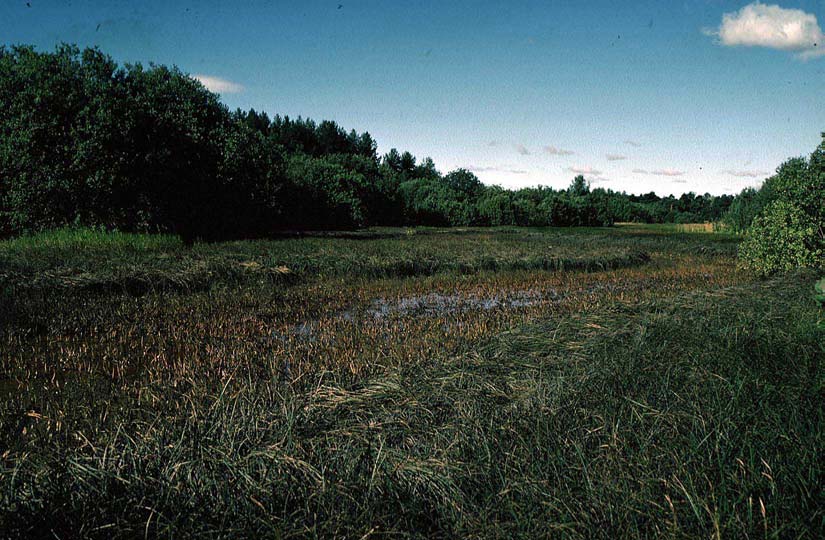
x,y
87,142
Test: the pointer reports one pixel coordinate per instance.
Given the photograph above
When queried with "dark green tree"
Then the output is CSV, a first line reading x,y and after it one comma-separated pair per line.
x,y
580,187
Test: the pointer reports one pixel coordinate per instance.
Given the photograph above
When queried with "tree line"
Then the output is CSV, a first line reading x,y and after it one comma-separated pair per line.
x,y
85,141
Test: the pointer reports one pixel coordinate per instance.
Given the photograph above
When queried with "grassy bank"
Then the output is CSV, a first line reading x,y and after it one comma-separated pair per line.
x,y
673,398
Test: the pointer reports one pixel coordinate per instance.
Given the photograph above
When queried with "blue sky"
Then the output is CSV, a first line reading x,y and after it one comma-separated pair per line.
x,y
705,95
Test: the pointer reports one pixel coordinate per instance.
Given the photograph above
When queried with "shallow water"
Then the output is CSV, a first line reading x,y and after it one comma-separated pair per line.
x,y
384,310
434,304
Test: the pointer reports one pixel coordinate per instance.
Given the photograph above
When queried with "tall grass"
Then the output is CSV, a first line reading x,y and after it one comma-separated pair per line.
x,y
701,416
86,239
674,397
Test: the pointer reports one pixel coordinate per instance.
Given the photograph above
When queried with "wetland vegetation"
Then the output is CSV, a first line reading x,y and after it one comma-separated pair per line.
x,y
408,382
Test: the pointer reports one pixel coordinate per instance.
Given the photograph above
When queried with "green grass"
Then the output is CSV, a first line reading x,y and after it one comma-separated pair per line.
x,y
690,407
65,241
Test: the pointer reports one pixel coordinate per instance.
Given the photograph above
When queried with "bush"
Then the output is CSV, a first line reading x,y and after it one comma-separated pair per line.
x,y
783,237
790,231
324,194
86,142
743,211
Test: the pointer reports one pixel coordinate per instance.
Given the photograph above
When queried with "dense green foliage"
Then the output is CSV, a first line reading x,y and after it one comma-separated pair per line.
x,y
784,220
84,141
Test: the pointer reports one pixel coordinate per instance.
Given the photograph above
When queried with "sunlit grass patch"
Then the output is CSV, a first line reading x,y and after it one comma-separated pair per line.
x,y
86,239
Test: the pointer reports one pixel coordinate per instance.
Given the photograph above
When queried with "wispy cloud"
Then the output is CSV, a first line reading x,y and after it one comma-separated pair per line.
x,y
218,85
493,143
553,151
521,149
615,157
773,27
745,173
667,172
633,143
585,170
660,172
475,169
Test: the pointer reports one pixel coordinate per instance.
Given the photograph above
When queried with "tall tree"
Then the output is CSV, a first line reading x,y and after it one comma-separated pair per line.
x,y
579,187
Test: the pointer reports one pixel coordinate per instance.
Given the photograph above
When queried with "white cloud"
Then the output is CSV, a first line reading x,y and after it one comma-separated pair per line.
x,y
218,85
633,143
552,150
521,149
585,170
774,27
660,172
615,157
745,174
